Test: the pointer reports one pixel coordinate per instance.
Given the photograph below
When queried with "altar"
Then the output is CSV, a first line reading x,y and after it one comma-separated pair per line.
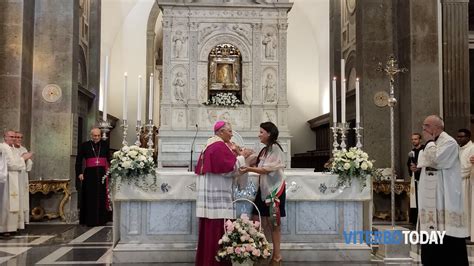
x,y
160,225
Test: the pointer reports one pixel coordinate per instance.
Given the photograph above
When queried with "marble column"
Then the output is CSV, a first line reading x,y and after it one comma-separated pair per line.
x,y
456,93
16,55
375,41
55,62
418,50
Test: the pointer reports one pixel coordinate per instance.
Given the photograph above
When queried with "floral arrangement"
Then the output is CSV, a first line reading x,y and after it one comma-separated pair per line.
x,y
352,163
243,241
129,164
224,99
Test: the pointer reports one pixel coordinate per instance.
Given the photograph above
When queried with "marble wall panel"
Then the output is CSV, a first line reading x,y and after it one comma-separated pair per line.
x,y
320,218
169,218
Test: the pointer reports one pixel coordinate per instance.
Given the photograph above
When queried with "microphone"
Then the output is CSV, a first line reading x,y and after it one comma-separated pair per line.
x,y
192,149
411,155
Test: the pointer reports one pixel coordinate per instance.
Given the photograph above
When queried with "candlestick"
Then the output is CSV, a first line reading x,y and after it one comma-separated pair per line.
x,y
150,103
150,127
139,95
335,144
343,130
125,129
357,130
334,103
138,130
357,94
124,102
106,85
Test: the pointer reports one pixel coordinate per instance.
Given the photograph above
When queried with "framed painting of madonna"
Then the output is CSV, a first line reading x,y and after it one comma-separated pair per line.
x,y
225,70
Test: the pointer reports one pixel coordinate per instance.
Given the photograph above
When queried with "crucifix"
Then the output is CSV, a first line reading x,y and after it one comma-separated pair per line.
x,y
391,69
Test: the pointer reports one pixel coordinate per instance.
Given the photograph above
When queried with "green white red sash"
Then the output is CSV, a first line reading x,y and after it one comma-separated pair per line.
x,y
273,200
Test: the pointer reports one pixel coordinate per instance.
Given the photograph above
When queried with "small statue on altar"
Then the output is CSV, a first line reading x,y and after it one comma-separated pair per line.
x,y
178,40
269,88
179,85
270,45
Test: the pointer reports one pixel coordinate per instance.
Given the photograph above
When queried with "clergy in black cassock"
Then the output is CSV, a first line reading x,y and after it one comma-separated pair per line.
x,y
93,197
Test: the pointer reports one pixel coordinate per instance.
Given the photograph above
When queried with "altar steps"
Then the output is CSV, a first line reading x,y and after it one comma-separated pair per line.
x,y
296,253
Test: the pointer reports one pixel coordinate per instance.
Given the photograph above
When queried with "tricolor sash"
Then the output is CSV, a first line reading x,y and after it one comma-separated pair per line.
x,y
273,200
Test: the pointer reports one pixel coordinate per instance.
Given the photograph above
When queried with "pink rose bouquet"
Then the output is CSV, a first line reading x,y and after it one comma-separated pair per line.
x,y
243,240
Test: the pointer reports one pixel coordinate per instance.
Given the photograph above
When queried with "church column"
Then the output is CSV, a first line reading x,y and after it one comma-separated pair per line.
x,y
257,81
456,96
55,74
16,55
374,31
193,75
166,89
418,51
282,71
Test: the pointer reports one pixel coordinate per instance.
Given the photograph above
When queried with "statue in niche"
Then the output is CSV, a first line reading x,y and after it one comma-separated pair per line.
x,y
270,116
178,41
179,85
270,45
269,88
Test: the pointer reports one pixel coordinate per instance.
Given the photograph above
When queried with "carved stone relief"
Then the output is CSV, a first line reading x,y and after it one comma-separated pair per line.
x,y
207,30
179,118
244,30
179,84
270,115
179,44
269,87
269,42
243,47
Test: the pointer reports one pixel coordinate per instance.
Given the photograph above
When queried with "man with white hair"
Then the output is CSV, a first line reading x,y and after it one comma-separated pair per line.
x,y
12,215
92,162
441,195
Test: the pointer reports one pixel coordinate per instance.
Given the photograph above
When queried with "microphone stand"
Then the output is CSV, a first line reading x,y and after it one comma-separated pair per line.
x,y
192,150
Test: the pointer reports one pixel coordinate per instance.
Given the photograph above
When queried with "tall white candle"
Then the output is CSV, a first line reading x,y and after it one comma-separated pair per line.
x,y
106,85
139,95
124,102
357,101
334,102
150,103
343,101
343,70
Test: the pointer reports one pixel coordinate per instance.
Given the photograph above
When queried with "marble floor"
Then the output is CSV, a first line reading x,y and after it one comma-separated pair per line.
x,y
62,244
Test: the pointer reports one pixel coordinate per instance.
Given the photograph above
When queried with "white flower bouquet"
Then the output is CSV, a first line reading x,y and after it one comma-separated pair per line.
x,y
224,99
131,164
352,163
242,241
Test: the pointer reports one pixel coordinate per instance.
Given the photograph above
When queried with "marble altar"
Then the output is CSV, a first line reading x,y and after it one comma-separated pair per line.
x,y
193,31
161,225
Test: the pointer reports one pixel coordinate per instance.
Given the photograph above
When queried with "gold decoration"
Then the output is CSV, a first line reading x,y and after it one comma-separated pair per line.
x,y
381,99
56,186
384,187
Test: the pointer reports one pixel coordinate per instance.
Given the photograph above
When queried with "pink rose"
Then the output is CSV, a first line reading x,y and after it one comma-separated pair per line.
x,y
256,252
238,250
230,250
256,224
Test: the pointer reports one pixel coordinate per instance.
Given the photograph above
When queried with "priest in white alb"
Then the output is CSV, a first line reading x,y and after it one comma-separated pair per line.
x,y
12,217
440,195
24,179
466,151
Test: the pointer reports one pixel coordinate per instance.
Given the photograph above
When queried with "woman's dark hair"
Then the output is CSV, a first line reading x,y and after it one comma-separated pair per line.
x,y
272,139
